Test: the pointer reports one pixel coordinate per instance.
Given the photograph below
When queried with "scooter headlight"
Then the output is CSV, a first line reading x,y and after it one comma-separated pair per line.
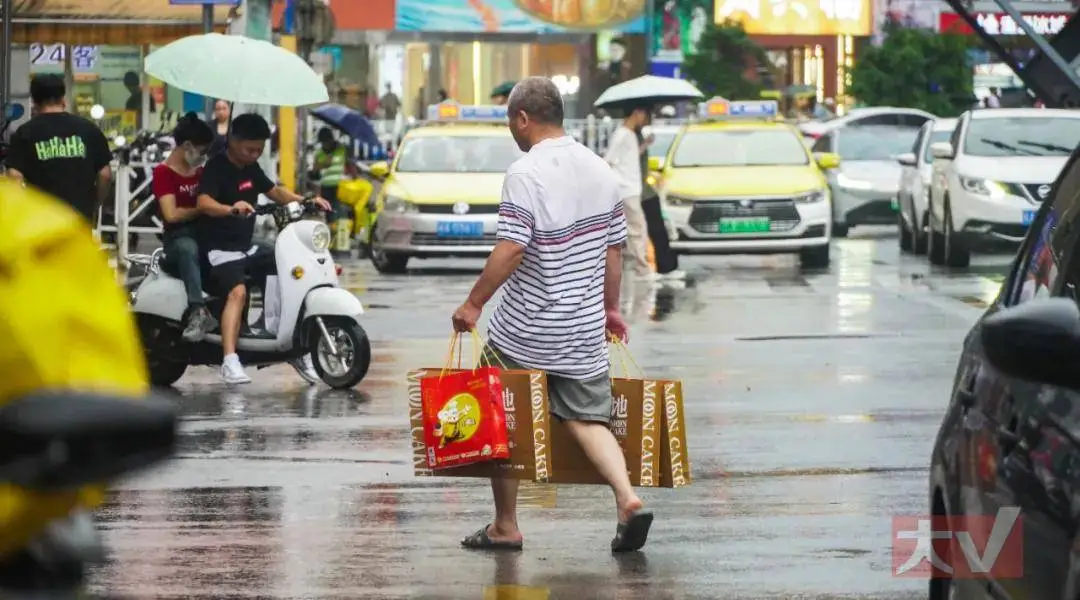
x,y
320,237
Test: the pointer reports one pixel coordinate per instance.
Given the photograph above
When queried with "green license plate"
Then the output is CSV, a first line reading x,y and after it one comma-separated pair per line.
x,y
744,225
895,204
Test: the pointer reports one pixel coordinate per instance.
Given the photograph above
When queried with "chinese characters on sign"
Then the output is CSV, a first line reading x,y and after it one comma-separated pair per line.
x,y
975,547
1046,24
83,58
798,17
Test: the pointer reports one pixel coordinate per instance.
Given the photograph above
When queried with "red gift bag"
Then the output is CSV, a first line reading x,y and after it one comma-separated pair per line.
x,y
464,418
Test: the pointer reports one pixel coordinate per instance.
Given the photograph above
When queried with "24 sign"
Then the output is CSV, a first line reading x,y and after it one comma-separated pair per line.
x,y
972,547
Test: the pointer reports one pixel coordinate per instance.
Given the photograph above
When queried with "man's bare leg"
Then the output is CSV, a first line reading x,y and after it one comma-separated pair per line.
x,y
604,452
505,527
230,319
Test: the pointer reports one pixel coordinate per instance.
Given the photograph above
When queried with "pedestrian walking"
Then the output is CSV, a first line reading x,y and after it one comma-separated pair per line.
x,y
624,156
559,253
219,123
61,153
667,262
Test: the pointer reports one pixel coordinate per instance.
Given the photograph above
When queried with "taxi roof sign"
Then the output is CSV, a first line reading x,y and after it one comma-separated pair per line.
x,y
451,111
722,108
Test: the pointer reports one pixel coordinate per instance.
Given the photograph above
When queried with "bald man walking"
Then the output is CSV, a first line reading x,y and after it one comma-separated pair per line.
x,y
559,252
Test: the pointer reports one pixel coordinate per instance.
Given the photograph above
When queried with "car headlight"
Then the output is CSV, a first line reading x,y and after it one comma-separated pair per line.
x,y
398,205
852,184
811,197
320,237
679,201
983,187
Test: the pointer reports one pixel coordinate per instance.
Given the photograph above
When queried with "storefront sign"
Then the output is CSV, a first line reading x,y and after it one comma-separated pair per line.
x,y
519,16
798,17
677,26
1003,24
83,58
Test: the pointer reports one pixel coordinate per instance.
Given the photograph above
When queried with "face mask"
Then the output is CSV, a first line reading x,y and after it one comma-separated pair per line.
x,y
194,157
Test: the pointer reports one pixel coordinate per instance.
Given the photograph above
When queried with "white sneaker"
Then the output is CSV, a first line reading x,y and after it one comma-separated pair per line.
x,y
676,275
232,371
305,369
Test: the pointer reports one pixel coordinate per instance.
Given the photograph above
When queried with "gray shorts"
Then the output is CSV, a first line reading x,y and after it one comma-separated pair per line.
x,y
570,399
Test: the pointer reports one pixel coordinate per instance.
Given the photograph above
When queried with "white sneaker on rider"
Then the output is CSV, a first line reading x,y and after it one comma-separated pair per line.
x,y
305,368
675,275
232,371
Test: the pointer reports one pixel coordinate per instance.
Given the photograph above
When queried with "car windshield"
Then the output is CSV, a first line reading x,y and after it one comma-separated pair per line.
x,y
935,137
1022,136
875,142
740,148
457,154
661,144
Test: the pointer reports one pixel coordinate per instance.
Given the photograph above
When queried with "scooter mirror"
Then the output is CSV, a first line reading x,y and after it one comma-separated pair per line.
x,y
13,111
64,440
97,112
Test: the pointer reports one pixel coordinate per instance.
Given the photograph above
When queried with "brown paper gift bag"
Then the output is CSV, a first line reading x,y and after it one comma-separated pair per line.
x,y
528,422
636,423
674,457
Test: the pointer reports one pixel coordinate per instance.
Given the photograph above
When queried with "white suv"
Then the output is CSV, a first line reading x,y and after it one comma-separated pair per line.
x,y
990,178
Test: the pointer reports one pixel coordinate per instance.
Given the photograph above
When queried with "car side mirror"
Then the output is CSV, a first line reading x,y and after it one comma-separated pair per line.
x,y
656,163
380,169
942,150
1038,340
827,160
63,440
906,159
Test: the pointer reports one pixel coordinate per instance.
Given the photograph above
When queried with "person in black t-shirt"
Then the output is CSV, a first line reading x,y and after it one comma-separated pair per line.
x,y
61,153
228,192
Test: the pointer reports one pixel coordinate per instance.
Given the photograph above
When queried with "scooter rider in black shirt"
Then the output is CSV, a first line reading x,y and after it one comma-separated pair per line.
x,y
231,184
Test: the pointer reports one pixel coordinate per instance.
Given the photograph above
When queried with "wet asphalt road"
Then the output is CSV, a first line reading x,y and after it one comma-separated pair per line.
x,y
812,400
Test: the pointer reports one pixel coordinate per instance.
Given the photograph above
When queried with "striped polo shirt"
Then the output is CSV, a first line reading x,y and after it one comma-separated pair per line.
x,y
561,201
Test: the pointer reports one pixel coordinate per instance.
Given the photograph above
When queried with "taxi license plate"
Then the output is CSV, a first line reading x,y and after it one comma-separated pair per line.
x,y
471,229
1029,216
744,225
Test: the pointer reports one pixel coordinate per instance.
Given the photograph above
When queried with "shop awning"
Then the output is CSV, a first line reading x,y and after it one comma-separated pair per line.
x,y
107,22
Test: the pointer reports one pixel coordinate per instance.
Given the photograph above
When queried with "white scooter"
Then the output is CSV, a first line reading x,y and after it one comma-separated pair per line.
x,y
308,312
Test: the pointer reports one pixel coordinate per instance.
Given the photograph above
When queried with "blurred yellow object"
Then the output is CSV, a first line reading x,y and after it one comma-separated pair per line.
x,y
356,193
650,255
64,324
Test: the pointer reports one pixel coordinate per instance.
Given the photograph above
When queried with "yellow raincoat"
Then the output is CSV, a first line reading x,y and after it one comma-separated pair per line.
x,y
64,324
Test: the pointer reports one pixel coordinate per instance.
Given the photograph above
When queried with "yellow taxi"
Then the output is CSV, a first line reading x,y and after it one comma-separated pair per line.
x,y
740,181
440,195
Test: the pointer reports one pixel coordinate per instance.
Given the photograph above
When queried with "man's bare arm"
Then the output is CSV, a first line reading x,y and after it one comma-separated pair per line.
x,y
208,206
15,175
104,177
613,278
503,261
281,195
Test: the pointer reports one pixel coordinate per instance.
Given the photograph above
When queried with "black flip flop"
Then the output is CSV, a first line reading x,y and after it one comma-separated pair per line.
x,y
631,535
481,541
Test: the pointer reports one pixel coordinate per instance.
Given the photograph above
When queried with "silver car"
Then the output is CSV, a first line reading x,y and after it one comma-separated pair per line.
x,y
865,186
912,200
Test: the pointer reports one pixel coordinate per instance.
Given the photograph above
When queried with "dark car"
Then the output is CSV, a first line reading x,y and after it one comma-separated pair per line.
x,y
1011,435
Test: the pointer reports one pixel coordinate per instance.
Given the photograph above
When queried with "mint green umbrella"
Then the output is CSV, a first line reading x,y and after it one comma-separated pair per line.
x,y
237,69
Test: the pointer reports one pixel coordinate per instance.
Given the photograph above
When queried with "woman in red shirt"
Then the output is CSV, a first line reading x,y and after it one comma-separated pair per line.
x,y
176,184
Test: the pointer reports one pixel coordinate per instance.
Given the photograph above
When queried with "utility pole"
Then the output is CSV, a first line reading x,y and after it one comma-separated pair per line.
x,y
5,51
208,27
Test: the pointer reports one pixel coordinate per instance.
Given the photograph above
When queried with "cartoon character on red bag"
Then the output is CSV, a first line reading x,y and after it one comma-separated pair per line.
x,y
455,422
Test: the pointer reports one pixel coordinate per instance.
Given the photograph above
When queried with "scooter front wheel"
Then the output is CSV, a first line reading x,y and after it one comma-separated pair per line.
x,y
345,363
